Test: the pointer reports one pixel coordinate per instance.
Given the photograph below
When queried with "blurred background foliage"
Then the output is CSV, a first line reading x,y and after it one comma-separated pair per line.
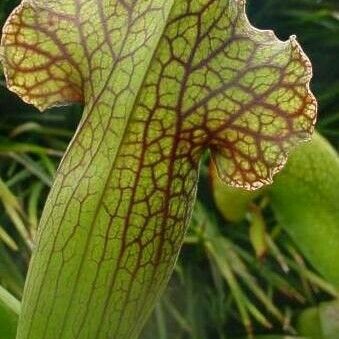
x,y
262,264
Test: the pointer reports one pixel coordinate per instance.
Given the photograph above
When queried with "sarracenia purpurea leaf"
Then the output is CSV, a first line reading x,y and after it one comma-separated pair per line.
x,y
161,81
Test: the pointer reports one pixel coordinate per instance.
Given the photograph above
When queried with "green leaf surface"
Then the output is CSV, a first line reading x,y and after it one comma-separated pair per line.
x,y
9,301
14,210
320,322
9,310
161,82
10,276
257,232
8,322
305,198
7,239
232,202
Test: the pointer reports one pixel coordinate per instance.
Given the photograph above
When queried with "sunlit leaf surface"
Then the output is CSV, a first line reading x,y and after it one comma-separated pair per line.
x,y
161,81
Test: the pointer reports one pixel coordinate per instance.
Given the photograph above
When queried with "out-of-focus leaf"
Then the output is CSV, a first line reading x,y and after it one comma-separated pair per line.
x,y
10,275
33,204
9,310
14,211
8,323
7,239
305,198
32,167
258,232
320,322
9,301
218,255
231,202
9,147
8,198
233,270
40,129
